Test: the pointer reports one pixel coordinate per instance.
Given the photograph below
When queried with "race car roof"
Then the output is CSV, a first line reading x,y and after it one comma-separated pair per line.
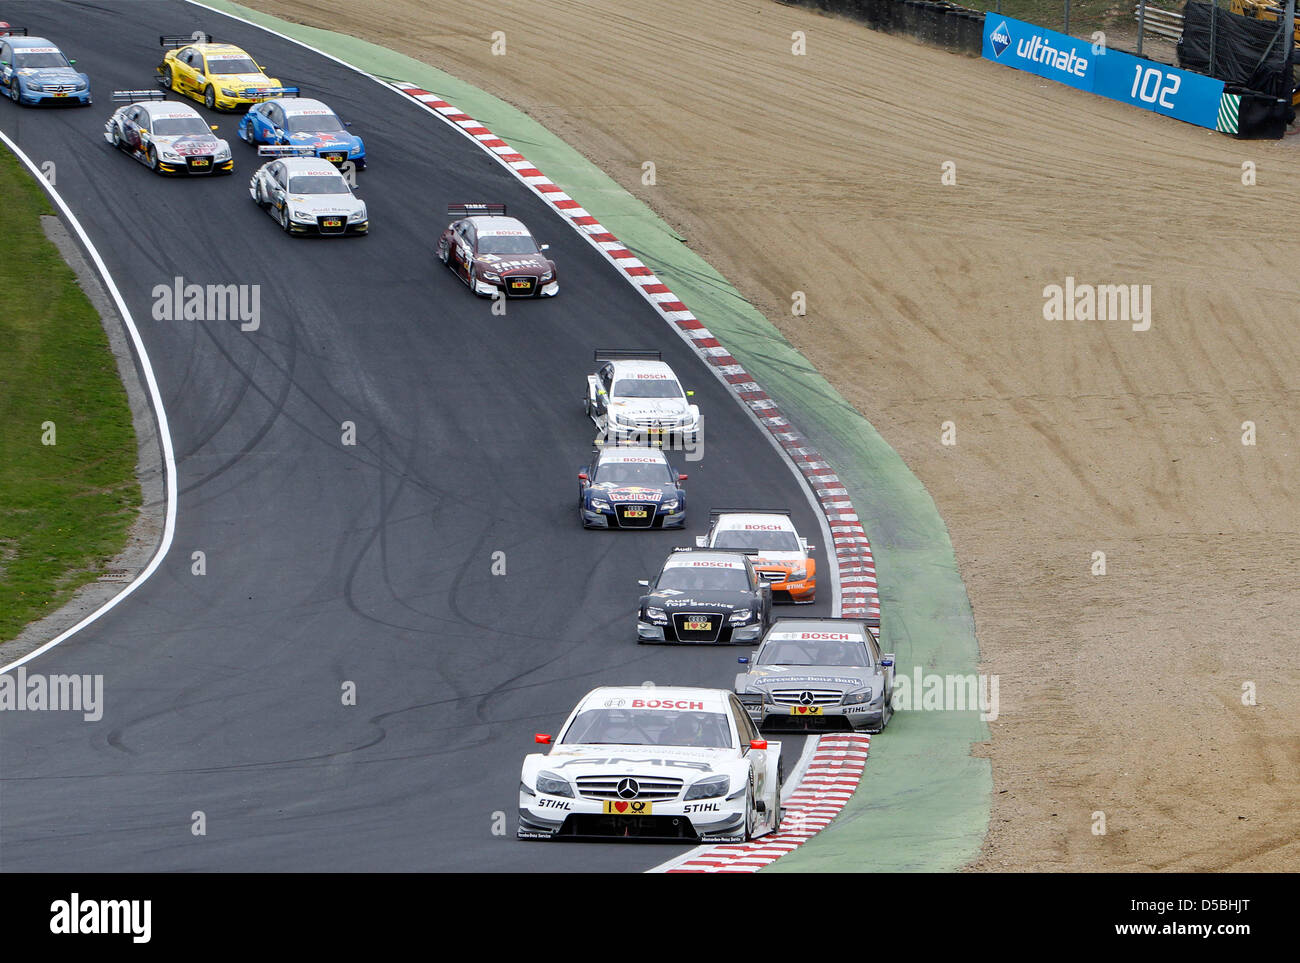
x,y
755,522
295,106
699,559
309,165
632,456
167,108
220,49
492,225
25,43
649,370
656,697
818,630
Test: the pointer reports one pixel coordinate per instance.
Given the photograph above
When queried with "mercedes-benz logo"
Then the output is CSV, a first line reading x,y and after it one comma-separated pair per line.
x,y
628,789
806,698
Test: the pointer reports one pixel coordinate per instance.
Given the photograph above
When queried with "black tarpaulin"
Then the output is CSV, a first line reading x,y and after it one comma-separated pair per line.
x,y
1247,52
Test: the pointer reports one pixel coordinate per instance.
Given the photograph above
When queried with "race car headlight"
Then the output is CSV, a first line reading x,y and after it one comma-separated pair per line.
x,y
670,505
228,92
354,150
858,697
223,154
169,155
751,698
740,618
626,420
599,505
298,215
81,85
548,275
32,86
553,785
653,612
490,276
799,574
709,788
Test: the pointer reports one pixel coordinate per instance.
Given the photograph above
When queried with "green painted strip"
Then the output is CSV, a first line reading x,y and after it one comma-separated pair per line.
x,y
924,801
1229,107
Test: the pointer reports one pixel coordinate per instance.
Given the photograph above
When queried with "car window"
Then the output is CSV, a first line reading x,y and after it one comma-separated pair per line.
x,y
606,376
647,387
760,540
744,725
649,727
6,54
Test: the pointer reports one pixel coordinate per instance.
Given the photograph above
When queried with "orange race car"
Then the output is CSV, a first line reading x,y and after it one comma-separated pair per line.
x,y
784,558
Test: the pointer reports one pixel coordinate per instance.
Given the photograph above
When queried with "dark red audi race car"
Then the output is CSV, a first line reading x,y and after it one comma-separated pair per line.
x,y
491,252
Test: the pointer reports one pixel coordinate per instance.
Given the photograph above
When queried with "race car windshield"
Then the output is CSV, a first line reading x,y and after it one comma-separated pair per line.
x,y
647,388
314,124
506,244
704,580
318,184
173,126
31,60
233,65
819,653
649,727
633,473
763,541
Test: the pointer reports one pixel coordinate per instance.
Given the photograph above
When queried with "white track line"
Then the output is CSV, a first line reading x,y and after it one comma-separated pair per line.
x,y
164,433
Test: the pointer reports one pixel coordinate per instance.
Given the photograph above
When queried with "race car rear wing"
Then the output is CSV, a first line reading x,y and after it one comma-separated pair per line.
x,y
730,551
268,93
748,511
131,96
627,354
184,40
286,150
8,31
473,209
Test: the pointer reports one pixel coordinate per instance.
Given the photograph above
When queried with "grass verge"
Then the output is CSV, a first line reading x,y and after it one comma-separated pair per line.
x,y
65,506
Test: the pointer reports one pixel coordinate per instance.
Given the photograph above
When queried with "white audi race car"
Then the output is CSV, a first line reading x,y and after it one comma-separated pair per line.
x,y
166,136
634,396
784,558
653,762
307,195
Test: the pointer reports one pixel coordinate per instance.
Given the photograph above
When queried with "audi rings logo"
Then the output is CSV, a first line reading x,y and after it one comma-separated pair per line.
x,y
628,789
806,698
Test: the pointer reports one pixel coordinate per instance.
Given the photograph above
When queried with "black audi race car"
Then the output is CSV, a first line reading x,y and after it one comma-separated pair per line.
x,y
706,597
631,488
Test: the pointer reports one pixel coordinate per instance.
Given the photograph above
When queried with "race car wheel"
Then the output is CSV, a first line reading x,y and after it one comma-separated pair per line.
x,y
167,80
151,158
117,137
13,90
749,815
247,133
284,217
210,98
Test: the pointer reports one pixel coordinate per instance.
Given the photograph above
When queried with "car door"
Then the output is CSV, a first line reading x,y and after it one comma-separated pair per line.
x,y
873,647
274,121
745,732
279,185
182,71
604,384
131,128
7,68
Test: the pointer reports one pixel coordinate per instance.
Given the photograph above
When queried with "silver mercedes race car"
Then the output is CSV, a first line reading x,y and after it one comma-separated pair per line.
x,y
306,195
653,762
819,674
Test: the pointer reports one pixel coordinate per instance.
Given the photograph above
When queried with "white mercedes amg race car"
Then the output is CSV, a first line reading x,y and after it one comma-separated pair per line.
x,y
634,396
307,195
653,762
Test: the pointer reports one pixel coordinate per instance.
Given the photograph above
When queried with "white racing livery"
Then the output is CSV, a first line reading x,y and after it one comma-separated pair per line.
x,y
166,136
307,195
635,396
662,762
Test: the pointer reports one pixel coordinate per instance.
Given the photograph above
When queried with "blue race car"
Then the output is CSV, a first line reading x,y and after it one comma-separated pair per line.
x,y
631,487
34,71
301,122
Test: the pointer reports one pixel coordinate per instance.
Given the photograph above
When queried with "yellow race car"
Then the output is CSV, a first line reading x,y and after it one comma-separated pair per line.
x,y
221,76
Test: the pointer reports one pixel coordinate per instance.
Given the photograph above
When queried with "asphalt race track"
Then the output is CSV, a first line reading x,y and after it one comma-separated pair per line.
x,y
329,563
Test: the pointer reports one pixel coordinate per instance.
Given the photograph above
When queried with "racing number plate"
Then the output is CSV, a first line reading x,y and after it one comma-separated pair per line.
x,y
199,162
334,158
698,625
634,513
805,710
332,222
627,807
60,95
519,284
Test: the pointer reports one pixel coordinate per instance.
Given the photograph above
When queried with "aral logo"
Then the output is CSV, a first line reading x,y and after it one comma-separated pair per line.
x,y
1000,39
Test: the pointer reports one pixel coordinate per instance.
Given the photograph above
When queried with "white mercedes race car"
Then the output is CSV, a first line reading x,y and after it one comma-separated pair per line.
x,y
653,762
166,136
307,195
784,558
634,396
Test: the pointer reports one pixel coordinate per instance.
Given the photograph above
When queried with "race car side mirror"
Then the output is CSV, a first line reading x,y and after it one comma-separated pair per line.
x,y
644,582
214,127
71,62
544,247
743,660
690,394
582,476
542,738
758,743
683,477
887,659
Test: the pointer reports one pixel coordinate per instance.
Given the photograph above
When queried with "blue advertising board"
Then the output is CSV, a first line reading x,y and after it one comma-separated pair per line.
x,y
1180,94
